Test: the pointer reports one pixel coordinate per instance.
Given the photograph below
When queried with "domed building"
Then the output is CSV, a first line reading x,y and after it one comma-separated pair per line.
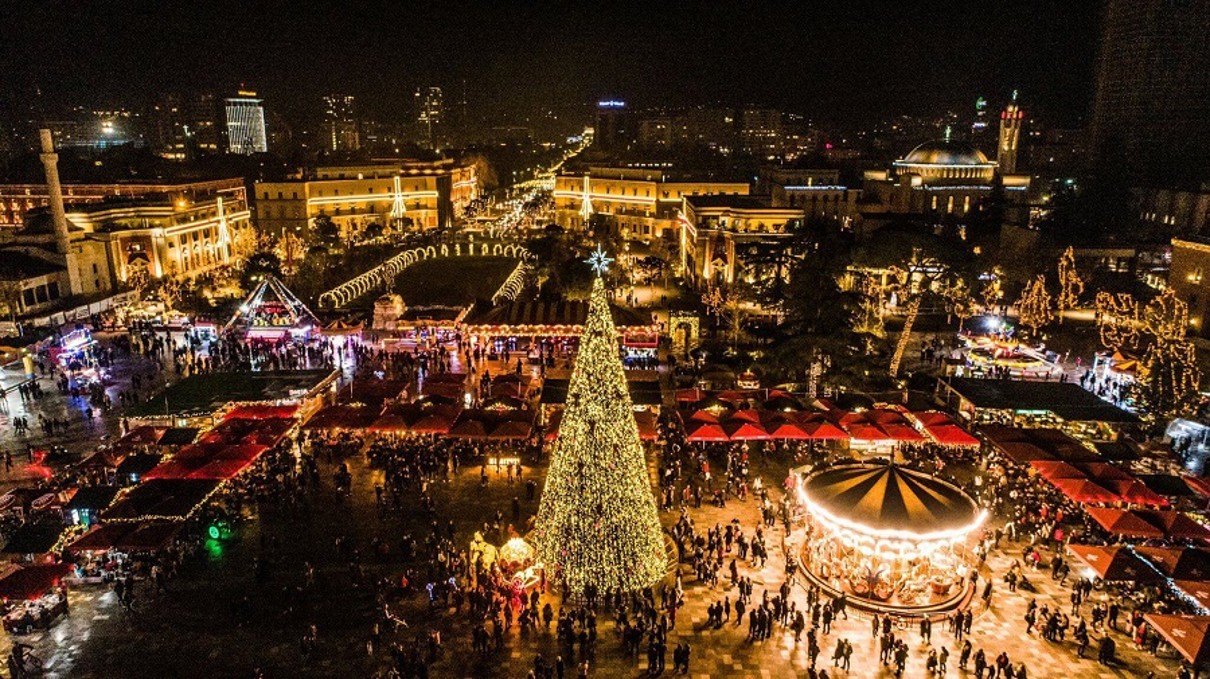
x,y
944,178
946,161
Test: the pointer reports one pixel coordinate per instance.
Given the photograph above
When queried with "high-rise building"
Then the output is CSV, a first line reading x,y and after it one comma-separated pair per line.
x,y
430,116
246,124
341,127
612,126
760,132
1151,110
1010,137
187,125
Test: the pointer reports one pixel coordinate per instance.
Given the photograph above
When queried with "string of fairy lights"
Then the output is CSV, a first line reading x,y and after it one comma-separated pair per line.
x,y
597,523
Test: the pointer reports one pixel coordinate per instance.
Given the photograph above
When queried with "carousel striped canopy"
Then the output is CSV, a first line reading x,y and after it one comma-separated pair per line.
x,y
889,497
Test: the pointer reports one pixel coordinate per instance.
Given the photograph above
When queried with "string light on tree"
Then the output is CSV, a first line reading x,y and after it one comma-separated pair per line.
x,y
1034,308
1118,320
597,523
1071,285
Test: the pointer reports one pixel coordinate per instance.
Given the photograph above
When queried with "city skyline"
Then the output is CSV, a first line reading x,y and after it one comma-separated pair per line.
x,y
853,64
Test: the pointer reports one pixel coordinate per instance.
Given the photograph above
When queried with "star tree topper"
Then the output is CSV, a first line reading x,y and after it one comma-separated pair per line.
x,y
599,261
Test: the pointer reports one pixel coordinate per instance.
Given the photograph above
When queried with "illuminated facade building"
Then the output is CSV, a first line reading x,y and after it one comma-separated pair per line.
x,y
430,116
1010,137
641,204
246,124
341,127
16,200
726,238
817,192
109,242
1189,276
429,194
942,179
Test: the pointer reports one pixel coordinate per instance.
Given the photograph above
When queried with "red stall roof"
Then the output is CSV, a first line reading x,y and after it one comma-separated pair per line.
x,y
31,582
1186,633
1116,563
1123,522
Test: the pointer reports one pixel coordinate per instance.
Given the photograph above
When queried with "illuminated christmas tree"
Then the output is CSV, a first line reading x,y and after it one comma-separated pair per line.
x,y
597,523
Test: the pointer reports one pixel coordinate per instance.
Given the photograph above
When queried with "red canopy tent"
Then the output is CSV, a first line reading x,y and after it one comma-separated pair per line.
x,y
389,423
434,423
1198,485
788,431
343,416
648,425
31,582
1186,633
469,428
1175,524
1023,452
1123,522
100,538
952,435
731,396
261,412
866,431
1056,469
1103,471
707,433
746,415
511,430
1084,491
149,536
1135,492
705,416
933,418
818,427
745,431
1181,563
144,435
1197,590
903,433
1115,564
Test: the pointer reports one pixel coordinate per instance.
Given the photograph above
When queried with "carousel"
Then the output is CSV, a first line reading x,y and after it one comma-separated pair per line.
x,y
892,539
984,351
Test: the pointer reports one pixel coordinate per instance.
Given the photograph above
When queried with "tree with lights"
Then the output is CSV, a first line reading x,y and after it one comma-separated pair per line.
x,y
1118,320
1169,379
1172,376
597,523
1035,308
1071,284
919,263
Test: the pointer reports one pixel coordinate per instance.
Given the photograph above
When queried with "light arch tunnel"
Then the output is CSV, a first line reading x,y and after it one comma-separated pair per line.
x,y
381,276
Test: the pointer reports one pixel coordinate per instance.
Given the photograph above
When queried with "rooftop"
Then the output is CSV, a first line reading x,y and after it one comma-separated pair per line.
x,y
738,202
202,394
19,265
561,313
1065,399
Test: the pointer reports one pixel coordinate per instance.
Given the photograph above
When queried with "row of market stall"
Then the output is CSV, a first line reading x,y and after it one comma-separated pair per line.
x,y
1183,570
783,418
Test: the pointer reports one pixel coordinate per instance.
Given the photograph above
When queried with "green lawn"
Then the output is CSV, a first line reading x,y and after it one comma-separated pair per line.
x,y
453,281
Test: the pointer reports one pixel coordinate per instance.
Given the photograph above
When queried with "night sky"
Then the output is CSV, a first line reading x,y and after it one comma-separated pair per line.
x,y
850,61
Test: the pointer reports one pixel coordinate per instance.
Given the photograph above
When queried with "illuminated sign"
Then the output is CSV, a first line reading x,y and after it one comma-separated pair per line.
x,y
611,103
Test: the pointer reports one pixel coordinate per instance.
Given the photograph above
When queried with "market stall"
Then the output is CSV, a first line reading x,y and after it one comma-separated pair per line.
x,y
1115,563
34,597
